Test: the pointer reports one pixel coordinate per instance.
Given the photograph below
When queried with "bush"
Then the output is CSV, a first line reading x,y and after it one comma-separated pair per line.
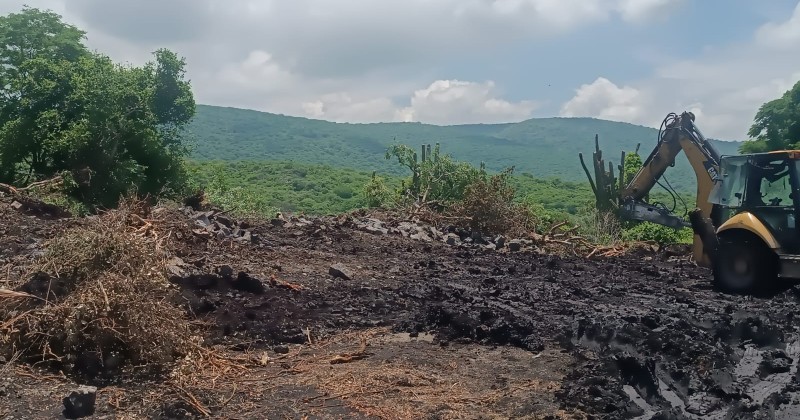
x,y
376,193
438,180
602,228
488,207
646,231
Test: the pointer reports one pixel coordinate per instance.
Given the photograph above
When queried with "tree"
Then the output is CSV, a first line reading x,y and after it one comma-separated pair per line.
x,y
109,128
776,125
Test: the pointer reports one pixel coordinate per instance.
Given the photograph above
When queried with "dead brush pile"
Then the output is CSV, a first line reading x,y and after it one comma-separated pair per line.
x,y
100,299
488,206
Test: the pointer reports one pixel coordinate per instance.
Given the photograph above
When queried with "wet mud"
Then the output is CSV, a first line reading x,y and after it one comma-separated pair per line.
x,y
654,340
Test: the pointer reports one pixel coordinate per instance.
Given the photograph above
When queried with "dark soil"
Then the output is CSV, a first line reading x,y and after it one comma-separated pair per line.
x,y
644,336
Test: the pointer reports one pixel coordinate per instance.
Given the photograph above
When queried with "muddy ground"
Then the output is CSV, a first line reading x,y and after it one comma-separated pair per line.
x,y
406,327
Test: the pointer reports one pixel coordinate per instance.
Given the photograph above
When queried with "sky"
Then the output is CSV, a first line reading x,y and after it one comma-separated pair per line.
x,y
464,61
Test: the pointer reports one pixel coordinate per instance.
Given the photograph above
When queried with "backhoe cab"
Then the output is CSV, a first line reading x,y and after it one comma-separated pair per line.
x,y
758,201
747,206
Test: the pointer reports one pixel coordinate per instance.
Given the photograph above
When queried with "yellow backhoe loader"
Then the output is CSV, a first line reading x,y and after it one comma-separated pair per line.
x,y
747,206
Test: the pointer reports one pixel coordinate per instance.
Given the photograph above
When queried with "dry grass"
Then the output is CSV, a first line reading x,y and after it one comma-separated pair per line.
x,y
108,293
346,373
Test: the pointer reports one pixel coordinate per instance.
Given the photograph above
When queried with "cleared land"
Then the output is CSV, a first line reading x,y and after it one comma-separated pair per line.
x,y
359,317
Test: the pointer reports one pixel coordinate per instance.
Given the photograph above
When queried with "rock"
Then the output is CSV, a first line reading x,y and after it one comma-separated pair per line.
x,y
225,271
246,236
452,239
408,229
775,362
490,247
500,241
339,271
376,230
420,236
224,220
436,233
202,281
224,229
477,238
278,222
16,205
80,403
281,349
515,245
201,219
246,283
175,267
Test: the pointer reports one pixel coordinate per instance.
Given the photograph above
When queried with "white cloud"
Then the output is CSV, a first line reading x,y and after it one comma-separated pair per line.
x,y
442,102
781,34
725,87
460,102
342,107
257,73
345,60
604,99
639,11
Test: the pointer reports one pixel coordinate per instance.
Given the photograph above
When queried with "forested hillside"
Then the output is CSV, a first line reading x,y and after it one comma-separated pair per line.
x,y
542,147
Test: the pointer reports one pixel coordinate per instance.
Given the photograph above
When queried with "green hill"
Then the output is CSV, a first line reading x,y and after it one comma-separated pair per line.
x,y
542,147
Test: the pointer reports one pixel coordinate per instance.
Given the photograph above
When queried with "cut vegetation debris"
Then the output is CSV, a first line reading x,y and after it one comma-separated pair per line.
x,y
102,301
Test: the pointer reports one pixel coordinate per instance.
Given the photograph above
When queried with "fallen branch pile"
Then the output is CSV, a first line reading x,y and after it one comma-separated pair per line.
x,y
101,292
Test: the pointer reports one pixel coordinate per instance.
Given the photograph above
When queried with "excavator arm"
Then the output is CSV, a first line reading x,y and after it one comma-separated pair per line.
x,y
678,133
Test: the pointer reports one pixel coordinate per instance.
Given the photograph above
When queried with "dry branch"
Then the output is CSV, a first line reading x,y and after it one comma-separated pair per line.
x,y
361,353
11,294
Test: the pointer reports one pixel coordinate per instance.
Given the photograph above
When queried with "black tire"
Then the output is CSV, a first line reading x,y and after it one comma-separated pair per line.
x,y
745,265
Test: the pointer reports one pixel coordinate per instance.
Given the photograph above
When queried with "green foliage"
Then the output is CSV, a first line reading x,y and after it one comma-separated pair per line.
x,y
646,231
776,125
552,194
438,178
542,147
376,193
543,217
265,187
109,128
632,165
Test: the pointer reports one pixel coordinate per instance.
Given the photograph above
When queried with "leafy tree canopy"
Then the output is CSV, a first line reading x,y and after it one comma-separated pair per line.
x,y
107,128
776,125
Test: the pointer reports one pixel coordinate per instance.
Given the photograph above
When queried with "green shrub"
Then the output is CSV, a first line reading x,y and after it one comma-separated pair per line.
x,y
646,231
376,194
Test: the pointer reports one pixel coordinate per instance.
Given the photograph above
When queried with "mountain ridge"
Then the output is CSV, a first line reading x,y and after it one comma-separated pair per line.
x,y
464,125
545,147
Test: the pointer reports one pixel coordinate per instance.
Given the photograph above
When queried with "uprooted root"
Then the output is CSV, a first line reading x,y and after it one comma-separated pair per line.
x,y
104,300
